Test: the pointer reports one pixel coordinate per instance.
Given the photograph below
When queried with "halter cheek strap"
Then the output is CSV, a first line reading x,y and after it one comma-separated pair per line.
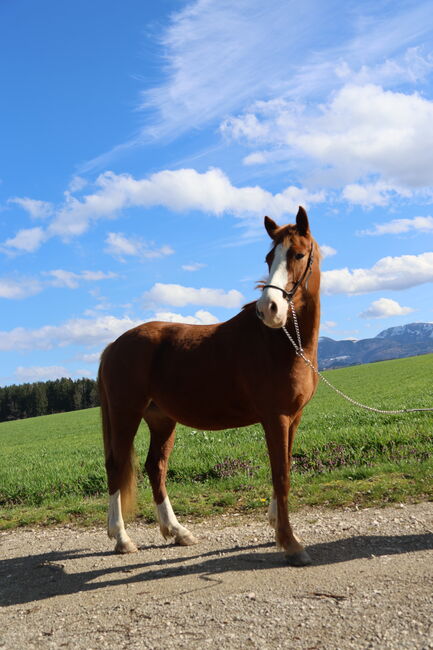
x,y
288,295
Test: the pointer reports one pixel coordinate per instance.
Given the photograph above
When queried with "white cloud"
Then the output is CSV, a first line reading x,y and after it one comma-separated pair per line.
x,y
409,67
36,209
389,273
88,332
77,183
119,246
40,373
179,190
26,240
328,324
362,130
23,287
92,357
71,280
17,289
77,331
195,266
327,251
400,226
370,194
179,296
384,308
201,317
253,49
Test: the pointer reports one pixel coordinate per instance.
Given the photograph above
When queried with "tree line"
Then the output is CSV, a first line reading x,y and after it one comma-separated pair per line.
x,y
43,398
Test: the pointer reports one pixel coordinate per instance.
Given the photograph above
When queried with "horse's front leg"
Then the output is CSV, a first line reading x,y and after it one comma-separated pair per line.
x,y
279,444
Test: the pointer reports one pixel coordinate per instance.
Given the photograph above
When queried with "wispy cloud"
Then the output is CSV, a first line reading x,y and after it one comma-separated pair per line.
x,y
249,50
225,45
72,280
24,286
120,247
41,373
401,226
194,266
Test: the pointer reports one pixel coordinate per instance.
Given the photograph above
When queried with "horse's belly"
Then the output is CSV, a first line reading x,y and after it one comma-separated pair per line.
x,y
210,412
217,423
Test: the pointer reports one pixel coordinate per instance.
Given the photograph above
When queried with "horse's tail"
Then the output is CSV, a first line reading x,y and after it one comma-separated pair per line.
x,y
120,459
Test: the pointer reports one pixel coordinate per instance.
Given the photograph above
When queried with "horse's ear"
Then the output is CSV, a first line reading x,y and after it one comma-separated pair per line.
x,y
270,226
302,225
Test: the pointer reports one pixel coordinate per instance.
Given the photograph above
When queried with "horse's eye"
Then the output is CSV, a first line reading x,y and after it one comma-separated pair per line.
x,y
299,256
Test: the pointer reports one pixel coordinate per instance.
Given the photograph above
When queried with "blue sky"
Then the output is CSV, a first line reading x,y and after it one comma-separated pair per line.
x,y
143,142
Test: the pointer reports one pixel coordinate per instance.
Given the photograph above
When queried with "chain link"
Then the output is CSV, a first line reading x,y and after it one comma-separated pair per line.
x,y
300,353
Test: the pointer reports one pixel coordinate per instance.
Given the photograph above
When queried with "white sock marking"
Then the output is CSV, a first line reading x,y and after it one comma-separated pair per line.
x,y
170,527
116,525
273,513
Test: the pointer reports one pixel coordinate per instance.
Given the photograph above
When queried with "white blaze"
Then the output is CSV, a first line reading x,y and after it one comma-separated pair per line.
x,y
278,274
271,298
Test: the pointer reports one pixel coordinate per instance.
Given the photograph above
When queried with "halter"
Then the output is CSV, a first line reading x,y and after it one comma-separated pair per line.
x,y
288,295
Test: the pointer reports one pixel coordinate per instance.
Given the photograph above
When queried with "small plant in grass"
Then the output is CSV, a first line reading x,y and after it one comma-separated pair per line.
x,y
227,468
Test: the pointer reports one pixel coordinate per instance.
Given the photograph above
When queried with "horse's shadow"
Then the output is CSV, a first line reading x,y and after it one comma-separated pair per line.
x,y
37,577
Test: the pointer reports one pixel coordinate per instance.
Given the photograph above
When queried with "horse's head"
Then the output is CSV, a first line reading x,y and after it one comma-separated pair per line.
x,y
290,262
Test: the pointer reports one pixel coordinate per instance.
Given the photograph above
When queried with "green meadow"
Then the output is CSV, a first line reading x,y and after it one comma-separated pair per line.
x,y
52,467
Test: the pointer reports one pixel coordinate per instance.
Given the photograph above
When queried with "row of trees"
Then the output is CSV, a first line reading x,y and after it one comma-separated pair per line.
x,y
43,398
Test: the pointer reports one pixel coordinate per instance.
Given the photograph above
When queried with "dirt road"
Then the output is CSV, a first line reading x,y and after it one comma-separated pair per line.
x,y
370,585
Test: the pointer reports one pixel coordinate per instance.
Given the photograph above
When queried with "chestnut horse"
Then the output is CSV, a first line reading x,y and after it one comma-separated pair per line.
x,y
214,377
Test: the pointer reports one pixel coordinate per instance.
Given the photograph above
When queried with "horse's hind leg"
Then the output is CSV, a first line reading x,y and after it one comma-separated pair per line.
x,y
162,434
119,463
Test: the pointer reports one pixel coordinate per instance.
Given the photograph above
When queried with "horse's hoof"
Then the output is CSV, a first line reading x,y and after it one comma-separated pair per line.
x,y
187,539
299,559
125,547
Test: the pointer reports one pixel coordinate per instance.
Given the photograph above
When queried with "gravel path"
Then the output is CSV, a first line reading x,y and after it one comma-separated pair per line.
x,y
370,585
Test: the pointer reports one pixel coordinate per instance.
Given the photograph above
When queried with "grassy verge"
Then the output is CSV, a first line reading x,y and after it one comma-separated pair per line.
x,y
52,467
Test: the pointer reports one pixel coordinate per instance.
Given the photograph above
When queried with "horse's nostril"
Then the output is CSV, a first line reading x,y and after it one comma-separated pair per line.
x,y
273,307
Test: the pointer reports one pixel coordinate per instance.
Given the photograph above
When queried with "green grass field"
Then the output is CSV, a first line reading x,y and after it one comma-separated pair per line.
x,y
52,467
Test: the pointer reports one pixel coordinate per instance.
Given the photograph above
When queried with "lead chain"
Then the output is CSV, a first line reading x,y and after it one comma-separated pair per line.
x,y
300,353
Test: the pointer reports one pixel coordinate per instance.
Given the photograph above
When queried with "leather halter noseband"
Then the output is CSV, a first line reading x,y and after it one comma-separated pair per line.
x,y
288,295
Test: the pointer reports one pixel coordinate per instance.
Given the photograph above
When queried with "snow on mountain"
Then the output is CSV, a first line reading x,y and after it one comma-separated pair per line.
x,y
392,343
424,330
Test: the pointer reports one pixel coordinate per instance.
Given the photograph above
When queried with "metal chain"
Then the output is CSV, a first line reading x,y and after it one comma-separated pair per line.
x,y
300,353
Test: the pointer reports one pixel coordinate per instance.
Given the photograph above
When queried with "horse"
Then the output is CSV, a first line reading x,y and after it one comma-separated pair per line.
x,y
212,377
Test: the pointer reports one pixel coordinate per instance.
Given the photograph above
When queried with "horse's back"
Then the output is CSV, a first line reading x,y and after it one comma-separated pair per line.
x,y
151,351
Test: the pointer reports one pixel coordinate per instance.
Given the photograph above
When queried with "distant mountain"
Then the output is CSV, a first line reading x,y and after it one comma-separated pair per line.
x,y
392,343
